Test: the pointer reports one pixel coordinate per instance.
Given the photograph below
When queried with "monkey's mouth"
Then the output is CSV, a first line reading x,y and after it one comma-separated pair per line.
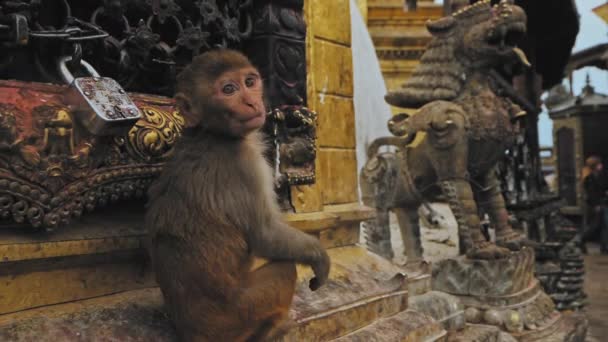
x,y
251,116
254,120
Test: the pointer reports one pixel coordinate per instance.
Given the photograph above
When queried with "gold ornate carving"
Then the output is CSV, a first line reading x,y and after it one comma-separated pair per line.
x,y
153,136
58,134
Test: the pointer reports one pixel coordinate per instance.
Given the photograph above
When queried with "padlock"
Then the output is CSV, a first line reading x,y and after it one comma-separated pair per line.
x,y
99,103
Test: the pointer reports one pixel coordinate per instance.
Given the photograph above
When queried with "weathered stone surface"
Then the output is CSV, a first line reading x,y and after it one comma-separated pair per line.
x,y
100,254
354,273
138,317
333,68
344,235
569,328
307,198
338,177
363,288
337,125
480,333
504,293
408,326
55,284
444,308
328,24
501,277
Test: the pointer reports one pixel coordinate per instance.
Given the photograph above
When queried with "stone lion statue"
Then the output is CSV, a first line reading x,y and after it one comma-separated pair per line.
x,y
467,126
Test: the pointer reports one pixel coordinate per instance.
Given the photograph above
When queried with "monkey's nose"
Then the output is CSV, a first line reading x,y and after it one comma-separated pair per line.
x,y
251,103
248,100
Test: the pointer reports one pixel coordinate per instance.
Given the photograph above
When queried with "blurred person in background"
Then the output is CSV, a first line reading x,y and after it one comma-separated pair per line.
x,y
596,209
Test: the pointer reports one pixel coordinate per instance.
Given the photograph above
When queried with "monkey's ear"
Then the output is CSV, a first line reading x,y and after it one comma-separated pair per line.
x,y
184,105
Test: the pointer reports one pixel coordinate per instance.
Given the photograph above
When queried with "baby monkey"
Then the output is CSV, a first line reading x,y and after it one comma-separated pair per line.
x,y
213,209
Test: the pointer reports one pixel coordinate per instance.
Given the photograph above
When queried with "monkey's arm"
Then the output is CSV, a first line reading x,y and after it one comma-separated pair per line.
x,y
278,241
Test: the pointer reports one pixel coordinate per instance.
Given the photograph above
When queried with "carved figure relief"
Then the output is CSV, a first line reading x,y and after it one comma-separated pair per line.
x,y
52,169
468,125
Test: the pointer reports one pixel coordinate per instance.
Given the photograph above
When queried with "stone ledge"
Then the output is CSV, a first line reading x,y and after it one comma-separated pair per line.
x,y
103,232
104,253
331,216
362,289
92,234
406,326
52,284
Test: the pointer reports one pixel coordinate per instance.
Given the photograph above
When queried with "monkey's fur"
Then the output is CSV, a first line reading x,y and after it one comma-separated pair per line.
x,y
213,208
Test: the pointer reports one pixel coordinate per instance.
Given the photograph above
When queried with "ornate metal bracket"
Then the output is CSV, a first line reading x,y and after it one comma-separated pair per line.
x,y
277,47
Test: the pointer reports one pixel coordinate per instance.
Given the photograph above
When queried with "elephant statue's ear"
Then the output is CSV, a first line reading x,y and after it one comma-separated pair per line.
x,y
441,26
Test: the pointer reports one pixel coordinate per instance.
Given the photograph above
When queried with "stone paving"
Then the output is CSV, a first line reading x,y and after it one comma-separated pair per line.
x,y
596,287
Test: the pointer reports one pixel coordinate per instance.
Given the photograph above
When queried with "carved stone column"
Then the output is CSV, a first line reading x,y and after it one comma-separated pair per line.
x,y
277,47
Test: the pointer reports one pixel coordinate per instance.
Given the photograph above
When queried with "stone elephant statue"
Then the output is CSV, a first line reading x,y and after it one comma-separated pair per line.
x,y
448,164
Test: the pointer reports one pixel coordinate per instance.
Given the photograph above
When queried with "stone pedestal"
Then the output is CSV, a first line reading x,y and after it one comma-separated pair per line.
x,y
504,293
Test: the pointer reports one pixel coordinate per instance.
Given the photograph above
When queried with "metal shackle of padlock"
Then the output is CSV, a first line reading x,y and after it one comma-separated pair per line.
x,y
100,103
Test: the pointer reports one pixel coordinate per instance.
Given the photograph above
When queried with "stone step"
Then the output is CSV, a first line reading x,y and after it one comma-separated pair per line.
x,y
129,316
104,253
442,307
480,333
382,16
138,316
504,293
101,254
363,288
406,326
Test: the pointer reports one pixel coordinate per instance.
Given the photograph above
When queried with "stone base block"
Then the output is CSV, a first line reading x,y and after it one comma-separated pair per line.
x,y
444,308
407,326
505,294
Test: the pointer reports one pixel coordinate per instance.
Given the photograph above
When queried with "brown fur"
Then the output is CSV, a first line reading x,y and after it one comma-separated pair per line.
x,y
213,209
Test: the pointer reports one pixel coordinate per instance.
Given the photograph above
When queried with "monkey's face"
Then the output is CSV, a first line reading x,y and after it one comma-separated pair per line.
x,y
240,93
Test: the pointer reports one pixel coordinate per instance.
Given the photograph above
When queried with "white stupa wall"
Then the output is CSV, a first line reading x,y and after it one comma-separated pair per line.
x,y
371,112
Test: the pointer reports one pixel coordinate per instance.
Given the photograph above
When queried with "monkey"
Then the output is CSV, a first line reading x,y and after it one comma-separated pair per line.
x,y
213,209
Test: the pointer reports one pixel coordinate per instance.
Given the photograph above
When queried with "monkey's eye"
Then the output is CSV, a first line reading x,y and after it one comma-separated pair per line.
x,y
229,89
250,82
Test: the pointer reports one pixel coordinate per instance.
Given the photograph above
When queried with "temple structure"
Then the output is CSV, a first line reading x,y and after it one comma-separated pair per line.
x,y
578,123
87,121
399,36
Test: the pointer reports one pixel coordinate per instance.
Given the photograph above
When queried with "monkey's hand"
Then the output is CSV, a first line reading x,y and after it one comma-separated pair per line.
x,y
320,267
279,241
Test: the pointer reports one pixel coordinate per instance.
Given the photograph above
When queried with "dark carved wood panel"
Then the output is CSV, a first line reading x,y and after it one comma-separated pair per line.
x,y
52,169
277,47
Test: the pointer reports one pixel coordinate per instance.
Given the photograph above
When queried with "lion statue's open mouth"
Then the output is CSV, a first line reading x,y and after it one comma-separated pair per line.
x,y
508,28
